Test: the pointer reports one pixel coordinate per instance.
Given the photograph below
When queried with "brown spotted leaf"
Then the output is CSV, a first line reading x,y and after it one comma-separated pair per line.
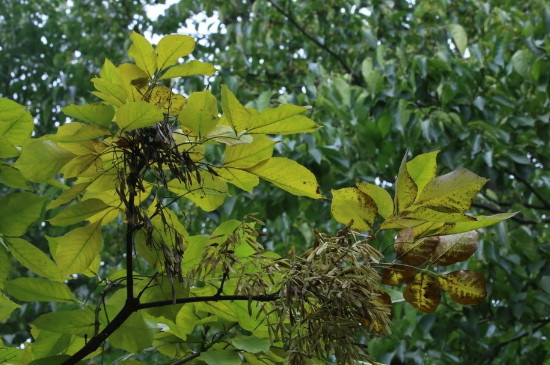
x,y
375,325
455,248
464,286
414,251
423,293
397,274
353,204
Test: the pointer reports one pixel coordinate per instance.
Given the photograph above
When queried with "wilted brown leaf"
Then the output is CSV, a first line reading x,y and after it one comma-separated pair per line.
x,y
414,251
455,248
423,293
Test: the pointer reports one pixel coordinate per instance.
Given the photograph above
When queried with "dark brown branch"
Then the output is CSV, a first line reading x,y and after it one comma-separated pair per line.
x,y
545,203
493,352
311,37
213,298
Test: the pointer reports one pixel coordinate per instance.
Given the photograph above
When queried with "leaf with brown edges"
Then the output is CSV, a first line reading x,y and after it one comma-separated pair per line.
x,y
414,251
455,248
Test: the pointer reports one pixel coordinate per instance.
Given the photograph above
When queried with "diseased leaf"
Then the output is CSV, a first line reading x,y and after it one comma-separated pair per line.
x,y
41,160
405,188
423,293
190,68
288,175
455,248
171,48
414,251
78,212
353,204
143,53
167,101
77,249
464,286
18,212
380,196
33,258
285,119
397,274
452,192
139,114
79,322
38,290
96,113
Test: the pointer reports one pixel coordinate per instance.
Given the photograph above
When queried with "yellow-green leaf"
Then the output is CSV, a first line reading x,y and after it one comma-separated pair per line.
x,y
171,48
208,193
16,124
139,114
423,292
41,160
414,251
250,154
18,212
464,286
79,322
240,178
76,132
135,334
6,307
12,177
380,196
33,258
75,251
460,38
167,101
143,53
285,119
237,116
133,81
96,113
353,204
288,175
405,188
83,166
201,113
190,68
110,92
68,195
79,212
38,290
479,222
455,248
452,192
422,169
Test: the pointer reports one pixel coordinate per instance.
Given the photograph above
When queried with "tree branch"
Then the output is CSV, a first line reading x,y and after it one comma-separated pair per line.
x,y
311,37
545,203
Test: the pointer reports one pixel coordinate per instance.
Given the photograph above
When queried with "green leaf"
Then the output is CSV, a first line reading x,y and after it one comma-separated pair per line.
x,y
251,344
79,322
405,188
200,114
6,307
135,334
78,212
41,160
478,222
171,48
138,114
282,120
522,61
12,177
50,343
96,113
422,169
460,38
5,266
237,116
143,53
353,204
240,178
19,211
16,124
76,132
38,290
250,154
221,357
33,258
67,195
381,197
190,68
75,251
288,175
464,286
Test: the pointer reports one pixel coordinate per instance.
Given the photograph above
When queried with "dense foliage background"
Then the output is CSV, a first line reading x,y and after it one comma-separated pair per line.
x,y
470,78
